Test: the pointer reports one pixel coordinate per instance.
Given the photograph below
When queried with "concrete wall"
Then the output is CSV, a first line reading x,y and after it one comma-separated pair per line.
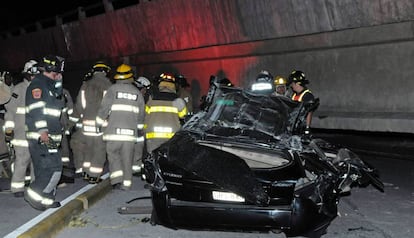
x,y
358,55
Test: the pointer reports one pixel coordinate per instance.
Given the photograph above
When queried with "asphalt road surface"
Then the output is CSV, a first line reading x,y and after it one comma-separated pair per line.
x,y
365,213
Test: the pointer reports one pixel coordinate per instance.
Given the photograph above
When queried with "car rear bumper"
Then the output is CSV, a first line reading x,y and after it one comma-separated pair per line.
x,y
300,217
229,215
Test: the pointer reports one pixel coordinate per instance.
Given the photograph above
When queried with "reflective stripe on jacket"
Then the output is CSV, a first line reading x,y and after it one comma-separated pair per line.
x,y
123,108
43,108
299,97
163,113
89,100
15,114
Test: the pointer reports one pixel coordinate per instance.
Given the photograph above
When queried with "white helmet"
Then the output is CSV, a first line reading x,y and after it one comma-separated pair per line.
x,y
142,82
30,67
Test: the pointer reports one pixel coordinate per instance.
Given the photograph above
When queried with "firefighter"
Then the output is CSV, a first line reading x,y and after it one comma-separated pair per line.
x,y
184,93
144,86
89,146
77,140
164,113
68,173
44,132
214,82
123,108
298,82
6,80
263,83
14,129
280,86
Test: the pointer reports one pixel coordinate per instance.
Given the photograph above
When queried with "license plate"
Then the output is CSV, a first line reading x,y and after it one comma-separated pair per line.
x,y
226,196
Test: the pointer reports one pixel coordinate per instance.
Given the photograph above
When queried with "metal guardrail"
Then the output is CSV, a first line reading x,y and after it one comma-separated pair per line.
x,y
364,114
380,144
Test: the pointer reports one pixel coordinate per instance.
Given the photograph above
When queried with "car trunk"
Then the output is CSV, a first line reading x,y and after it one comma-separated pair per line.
x,y
261,177
255,159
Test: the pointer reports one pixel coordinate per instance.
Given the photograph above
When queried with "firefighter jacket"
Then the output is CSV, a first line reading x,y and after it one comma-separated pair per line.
x,y
305,96
15,114
163,113
123,108
188,98
43,108
67,119
89,100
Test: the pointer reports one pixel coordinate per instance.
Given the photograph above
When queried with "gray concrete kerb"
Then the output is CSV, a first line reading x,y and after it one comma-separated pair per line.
x,y
72,206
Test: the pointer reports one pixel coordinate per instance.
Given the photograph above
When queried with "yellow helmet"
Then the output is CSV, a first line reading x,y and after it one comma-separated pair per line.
x,y
167,80
279,80
100,66
123,71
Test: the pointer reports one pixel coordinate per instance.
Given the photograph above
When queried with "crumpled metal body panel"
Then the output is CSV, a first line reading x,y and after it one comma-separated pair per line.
x,y
274,180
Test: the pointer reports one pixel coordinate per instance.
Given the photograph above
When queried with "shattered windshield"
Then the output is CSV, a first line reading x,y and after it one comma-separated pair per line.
x,y
236,112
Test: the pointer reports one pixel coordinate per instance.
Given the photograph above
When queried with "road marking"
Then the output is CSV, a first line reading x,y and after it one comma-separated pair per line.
x,y
33,222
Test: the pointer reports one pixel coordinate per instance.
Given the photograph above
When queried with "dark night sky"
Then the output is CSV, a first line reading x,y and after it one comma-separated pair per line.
x,y
19,13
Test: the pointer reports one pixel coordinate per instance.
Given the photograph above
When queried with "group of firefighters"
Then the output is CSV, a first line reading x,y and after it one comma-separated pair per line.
x,y
57,138
265,83
111,122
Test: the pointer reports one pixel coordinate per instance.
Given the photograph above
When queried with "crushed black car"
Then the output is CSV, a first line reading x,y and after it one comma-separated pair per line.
x,y
243,164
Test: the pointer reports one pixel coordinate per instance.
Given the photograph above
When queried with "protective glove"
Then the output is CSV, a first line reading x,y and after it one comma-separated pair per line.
x,y
9,134
50,144
98,129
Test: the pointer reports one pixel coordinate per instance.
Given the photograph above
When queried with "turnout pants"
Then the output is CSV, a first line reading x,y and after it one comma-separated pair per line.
x,y
47,171
138,153
78,145
67,158
21,165
4,150
95,156
120,156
